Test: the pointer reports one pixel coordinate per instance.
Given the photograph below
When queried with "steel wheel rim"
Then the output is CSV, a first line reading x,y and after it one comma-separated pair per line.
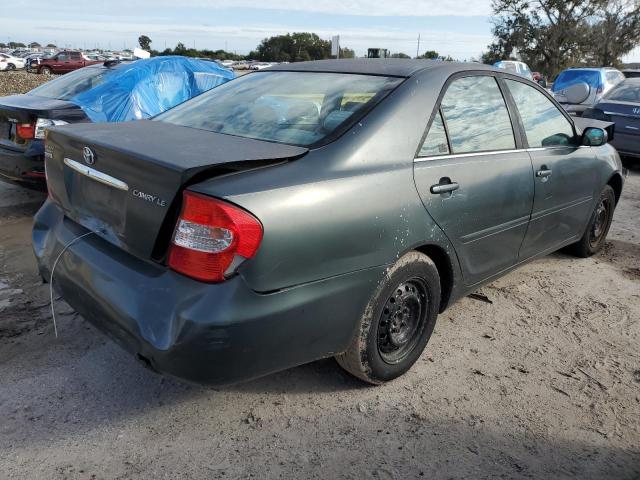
x,y
402,320
601,220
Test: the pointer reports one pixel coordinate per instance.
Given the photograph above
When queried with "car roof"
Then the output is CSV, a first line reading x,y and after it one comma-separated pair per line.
x,y
396,67
593,69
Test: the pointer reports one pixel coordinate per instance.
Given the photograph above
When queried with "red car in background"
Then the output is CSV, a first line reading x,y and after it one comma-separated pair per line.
x,y
64,62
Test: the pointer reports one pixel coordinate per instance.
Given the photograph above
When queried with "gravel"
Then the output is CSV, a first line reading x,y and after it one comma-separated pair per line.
x,y
20,82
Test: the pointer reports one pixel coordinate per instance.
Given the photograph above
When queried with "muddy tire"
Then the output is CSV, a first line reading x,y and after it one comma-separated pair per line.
x,y
397,323
45,71
598,227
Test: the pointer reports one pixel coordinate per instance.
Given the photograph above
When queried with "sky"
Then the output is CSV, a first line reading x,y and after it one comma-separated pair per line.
x,y
460,28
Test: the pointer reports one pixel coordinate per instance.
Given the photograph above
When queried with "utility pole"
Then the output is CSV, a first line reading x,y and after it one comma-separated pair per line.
x,y
418,49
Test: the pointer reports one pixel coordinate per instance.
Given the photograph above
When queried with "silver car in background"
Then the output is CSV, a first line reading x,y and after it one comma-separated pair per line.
x,y
578,89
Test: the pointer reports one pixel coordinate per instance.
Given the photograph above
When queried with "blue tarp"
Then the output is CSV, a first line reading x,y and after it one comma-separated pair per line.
x,y
145,88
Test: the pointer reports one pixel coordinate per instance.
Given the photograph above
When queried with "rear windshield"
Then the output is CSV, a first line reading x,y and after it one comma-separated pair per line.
x,y
71,84
571,77
627,91
298,108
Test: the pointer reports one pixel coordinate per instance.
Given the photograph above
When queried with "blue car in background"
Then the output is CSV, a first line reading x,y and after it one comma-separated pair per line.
x,y
578,89
110,92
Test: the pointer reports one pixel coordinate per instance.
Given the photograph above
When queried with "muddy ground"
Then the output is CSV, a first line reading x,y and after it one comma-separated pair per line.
x,y
542,383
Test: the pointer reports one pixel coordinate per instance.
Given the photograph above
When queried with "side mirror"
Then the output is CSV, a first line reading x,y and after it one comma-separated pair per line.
x,y
594,137
542,82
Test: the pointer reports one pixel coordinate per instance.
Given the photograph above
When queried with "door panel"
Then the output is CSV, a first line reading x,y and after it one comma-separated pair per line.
x,y
563,199
480,192
486,217
565,175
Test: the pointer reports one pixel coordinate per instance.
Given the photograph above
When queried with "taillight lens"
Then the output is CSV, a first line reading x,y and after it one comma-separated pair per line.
x,y
26,130
209,235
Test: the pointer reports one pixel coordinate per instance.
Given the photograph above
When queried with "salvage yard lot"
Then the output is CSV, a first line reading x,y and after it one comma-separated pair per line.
x,y
543,382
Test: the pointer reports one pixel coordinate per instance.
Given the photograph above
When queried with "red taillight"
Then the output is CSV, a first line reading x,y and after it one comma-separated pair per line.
x,y
209,235
26,130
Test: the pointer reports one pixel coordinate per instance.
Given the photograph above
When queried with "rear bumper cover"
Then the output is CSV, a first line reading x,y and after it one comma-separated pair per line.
x,y
23,165
208,333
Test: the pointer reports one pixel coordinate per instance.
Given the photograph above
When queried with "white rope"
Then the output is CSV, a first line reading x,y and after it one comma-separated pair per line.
x,y
53,312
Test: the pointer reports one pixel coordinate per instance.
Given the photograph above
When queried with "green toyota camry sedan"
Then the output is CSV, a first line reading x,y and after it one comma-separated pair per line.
x,y
312,210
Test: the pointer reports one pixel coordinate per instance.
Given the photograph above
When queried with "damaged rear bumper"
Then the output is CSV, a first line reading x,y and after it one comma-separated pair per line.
x,y
23,166
209,333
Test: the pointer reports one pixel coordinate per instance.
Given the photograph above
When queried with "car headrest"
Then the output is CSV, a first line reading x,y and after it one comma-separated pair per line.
x,y
335,118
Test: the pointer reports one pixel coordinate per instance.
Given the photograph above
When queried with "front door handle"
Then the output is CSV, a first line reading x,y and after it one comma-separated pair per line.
x,y
445,186
544,172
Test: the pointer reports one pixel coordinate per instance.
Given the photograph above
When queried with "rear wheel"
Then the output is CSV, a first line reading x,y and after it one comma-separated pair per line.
x,y
598,228
397,322
45,71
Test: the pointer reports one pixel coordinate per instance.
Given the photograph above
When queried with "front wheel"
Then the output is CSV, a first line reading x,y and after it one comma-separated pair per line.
x,y
45,71
596,233
11,66
397,323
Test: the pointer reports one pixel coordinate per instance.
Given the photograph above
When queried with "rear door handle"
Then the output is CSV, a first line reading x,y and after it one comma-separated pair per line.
x,y
445,186
543,173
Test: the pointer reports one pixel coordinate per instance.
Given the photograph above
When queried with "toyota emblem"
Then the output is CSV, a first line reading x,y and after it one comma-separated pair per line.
x,y
89,157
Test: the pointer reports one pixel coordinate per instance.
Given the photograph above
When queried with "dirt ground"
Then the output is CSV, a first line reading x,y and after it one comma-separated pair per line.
x,y
542,383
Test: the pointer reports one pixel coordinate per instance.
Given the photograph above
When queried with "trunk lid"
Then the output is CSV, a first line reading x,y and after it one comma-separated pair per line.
x,y
626,115
27,108
124,180
17,109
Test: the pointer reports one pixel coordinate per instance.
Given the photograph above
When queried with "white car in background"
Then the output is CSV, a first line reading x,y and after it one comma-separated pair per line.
x,y
9,62
519,68
260,66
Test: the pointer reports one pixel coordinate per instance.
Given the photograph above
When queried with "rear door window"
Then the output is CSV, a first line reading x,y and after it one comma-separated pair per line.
x,y
436,141
476,116
544,124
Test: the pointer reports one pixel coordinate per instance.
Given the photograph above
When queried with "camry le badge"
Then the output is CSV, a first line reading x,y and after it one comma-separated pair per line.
x,y
88,156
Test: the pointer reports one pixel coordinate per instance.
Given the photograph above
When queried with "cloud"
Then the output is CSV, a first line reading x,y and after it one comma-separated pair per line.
x,y
246,37
397,8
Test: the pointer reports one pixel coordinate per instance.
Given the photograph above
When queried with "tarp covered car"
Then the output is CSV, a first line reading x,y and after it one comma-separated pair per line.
x,y
109,92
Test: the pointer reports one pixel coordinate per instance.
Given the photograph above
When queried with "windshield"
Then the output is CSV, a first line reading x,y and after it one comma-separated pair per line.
x,y
71,84
299,108
571,77
627,91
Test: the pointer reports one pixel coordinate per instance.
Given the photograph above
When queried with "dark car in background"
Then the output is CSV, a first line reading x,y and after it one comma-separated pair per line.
x,y
112,91
577,89
631,73
622,106
315,209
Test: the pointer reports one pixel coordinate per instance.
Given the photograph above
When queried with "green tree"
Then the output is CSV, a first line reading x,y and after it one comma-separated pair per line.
x,y
347,53
144,42
295,47
51,45
16,45
430,54
34,45
400,55
615,33
551,35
